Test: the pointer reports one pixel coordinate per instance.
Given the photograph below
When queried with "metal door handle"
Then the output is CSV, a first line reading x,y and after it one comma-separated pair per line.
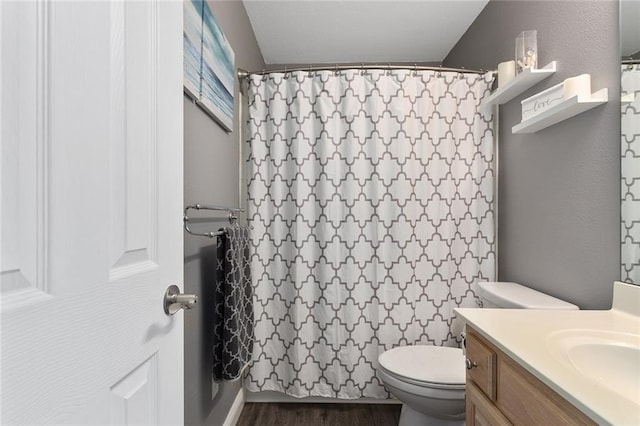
x,y
174,300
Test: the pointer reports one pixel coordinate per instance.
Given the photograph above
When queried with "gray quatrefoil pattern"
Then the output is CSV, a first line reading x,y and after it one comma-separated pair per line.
x,y
372,207
630,173
233,314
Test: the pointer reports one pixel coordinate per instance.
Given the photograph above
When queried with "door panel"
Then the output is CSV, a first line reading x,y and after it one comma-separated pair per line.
x,y
24,247
133,144
91,167
134,399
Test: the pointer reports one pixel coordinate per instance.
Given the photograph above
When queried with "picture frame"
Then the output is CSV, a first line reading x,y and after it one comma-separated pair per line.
x,y
209,63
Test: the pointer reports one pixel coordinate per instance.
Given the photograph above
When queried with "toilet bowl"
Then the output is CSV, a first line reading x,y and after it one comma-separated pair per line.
x,y
430,380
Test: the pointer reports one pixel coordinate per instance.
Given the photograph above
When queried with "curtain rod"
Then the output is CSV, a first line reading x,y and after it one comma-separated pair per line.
x,y
624,62
243,73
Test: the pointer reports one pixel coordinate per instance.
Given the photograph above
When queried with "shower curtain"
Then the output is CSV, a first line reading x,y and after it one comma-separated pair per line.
x,y
630,172
371,202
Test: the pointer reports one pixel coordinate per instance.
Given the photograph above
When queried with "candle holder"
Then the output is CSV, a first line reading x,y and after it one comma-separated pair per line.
x,y
526,50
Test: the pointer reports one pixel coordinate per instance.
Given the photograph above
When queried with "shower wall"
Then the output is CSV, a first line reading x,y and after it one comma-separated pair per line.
x,y
559,189
211,173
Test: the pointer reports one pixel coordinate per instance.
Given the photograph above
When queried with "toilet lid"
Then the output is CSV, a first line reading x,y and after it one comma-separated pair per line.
x,y
433,364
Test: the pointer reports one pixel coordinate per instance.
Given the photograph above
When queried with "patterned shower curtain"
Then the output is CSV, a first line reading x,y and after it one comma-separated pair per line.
x,y
630,172
371,197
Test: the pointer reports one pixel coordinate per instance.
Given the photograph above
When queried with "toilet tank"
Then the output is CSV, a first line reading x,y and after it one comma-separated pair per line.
x,y
516,296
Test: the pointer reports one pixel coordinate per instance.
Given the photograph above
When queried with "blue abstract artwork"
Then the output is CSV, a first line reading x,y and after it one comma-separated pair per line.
x,y
192,56
209,63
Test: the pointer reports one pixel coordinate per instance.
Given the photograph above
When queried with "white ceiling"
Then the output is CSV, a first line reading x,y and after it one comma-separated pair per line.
x,y
312,31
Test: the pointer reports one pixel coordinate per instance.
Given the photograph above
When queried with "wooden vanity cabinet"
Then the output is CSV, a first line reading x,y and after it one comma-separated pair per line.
x,y
480,410
501,392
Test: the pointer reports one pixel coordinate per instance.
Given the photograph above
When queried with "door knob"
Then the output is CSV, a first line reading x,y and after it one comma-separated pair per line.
x,y
174,300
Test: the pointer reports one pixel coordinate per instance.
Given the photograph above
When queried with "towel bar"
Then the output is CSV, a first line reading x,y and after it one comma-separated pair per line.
x,y
233,217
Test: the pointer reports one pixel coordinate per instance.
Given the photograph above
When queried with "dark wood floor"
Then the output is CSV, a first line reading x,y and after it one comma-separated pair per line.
x,y
294,414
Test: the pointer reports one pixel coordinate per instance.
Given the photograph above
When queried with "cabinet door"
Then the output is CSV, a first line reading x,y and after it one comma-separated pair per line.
x,y
525,399
480,411
483,372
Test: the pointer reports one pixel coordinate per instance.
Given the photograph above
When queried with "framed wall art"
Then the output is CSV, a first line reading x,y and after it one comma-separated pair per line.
x,y
209,63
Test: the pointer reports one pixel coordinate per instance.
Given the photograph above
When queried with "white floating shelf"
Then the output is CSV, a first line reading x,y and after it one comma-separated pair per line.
x,y
566,109
526,79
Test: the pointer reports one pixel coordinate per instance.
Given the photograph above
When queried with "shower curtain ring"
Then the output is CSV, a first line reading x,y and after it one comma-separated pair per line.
x,y
440,71
362,71
461,74
310,71
264,75
415,70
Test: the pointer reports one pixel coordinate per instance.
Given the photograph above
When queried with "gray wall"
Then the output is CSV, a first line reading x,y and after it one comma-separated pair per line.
x,y
211,173
559,212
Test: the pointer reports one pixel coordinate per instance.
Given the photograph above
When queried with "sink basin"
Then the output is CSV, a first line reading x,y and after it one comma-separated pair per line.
x,y
610,358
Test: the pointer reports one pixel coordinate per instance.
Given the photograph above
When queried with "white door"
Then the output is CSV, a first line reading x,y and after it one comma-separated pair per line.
x,y
91,168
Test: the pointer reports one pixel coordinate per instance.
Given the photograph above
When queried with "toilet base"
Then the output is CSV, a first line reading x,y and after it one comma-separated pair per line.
x,y
411,417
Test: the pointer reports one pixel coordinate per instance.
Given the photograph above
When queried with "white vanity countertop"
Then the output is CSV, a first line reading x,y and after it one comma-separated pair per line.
x,y
524,336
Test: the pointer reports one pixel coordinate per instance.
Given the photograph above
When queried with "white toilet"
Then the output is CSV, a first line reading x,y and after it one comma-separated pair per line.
x,y
430,380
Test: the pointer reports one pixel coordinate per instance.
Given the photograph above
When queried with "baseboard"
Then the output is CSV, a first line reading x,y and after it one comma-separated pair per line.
x,y
236,409
273,396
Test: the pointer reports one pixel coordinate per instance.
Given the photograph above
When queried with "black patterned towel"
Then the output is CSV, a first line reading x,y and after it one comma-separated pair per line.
x,y
233,318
